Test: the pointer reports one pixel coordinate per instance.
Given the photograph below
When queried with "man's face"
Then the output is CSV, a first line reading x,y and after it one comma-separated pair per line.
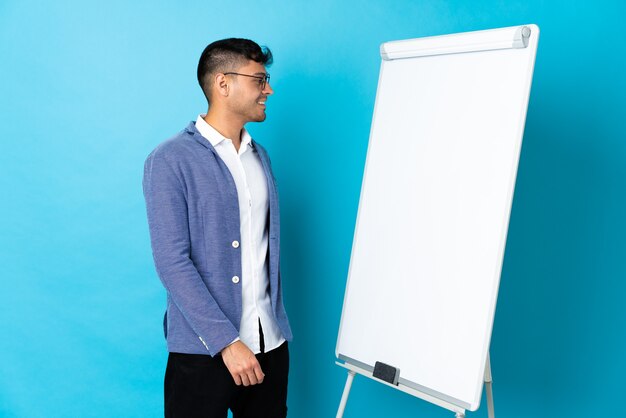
x,y
248,95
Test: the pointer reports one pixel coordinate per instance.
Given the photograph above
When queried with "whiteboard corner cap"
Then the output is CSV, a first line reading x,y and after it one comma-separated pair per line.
x,y
522,34
383,52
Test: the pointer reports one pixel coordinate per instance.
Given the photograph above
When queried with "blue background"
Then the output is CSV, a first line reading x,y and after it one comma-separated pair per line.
x,y
88,89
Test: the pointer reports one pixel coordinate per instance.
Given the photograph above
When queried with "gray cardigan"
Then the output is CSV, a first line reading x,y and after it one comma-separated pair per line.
x,y
193,215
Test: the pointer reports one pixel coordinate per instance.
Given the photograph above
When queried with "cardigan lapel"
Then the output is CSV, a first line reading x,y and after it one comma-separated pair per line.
x,y
193,132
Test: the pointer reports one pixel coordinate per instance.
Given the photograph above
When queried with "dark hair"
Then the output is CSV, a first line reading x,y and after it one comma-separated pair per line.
x,y
228,55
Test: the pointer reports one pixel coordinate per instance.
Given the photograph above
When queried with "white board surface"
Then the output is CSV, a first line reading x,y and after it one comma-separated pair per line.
x,y
434,208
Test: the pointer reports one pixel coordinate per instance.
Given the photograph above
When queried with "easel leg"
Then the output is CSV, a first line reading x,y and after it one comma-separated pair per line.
x,y
459,415
346,392
489,388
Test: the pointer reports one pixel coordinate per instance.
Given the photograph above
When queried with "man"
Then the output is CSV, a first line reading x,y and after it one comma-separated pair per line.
x,y
214,224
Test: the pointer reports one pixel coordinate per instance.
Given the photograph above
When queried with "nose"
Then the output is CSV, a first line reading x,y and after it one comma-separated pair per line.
x,y
268,90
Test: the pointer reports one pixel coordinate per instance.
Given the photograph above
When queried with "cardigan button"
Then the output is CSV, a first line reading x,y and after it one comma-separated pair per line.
x,y
235,244
235,279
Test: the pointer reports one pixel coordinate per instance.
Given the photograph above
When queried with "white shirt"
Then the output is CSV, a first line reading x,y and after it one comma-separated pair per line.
x,y
247,171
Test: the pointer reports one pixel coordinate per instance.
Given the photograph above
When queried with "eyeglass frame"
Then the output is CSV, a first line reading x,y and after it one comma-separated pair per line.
x,y
263,79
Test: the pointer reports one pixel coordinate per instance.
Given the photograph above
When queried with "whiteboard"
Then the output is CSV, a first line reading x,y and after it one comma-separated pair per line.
x,y
434,208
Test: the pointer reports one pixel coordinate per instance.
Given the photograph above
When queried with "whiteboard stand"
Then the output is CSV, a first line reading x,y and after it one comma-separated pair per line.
x,y
346,392
433,218
489,388
459,412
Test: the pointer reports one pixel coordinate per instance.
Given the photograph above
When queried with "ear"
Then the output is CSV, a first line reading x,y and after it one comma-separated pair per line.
x,y
220,85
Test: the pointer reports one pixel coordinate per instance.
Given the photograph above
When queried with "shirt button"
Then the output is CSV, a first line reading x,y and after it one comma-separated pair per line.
x,y
235,244
235,279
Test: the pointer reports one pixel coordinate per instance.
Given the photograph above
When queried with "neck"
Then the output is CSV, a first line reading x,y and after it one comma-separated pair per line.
x,y
225,125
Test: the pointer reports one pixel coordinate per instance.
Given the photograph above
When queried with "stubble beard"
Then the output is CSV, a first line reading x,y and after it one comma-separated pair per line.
x,y
258,114
251,111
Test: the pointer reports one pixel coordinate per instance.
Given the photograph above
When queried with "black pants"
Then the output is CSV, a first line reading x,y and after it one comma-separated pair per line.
x,y
201,386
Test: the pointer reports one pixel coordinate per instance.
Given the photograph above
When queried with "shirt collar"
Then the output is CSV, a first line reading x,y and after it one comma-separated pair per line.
x,y
214,137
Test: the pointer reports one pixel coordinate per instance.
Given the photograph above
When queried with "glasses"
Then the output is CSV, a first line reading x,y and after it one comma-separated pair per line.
x,y
263,79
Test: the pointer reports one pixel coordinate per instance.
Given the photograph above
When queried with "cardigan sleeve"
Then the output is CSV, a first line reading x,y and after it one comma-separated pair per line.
x,y
165,194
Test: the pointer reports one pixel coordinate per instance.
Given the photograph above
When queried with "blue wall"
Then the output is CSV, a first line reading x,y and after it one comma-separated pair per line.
x,y
87,89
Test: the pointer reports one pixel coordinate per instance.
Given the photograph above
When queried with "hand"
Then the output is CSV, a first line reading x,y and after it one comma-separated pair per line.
x,y
242,364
